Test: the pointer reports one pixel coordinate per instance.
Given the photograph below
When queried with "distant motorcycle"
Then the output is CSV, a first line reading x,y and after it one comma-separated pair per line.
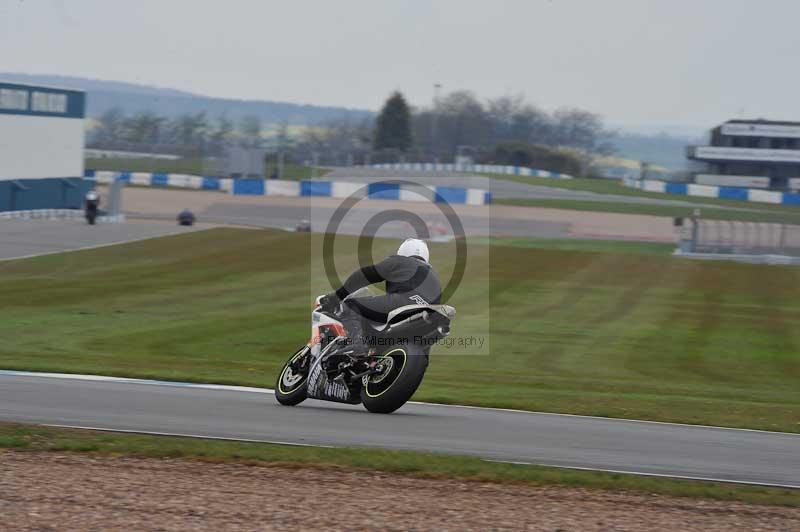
x,y
91,212
186,217
91,206
331,368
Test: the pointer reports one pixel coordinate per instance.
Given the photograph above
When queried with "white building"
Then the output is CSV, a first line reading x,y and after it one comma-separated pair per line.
x,y
41,147
752,154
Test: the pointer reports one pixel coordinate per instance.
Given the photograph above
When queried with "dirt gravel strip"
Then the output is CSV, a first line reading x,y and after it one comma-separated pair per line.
x,y
65,492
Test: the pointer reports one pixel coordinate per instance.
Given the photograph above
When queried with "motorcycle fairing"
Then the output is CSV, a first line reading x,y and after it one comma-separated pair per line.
x,y
319,386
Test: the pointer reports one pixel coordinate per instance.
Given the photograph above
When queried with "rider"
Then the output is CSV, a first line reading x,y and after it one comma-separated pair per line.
x,y
91,205
92,199
410,280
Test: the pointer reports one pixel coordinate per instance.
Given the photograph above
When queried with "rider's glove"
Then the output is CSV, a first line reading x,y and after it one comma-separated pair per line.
x,y
329,302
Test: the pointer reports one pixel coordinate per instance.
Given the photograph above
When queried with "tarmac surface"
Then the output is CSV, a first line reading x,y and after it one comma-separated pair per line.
x,y
660,449
21,238
151,213
495,220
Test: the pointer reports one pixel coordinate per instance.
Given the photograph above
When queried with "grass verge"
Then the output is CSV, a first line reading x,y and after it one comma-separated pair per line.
x,y
615,187
576,244
758,215
598,332
35,438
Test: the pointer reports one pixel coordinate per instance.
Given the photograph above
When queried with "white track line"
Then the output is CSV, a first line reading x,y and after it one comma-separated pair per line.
x,y
150,382
98,246
125,380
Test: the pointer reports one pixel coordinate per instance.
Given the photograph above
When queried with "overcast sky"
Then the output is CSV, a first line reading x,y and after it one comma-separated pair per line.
x,y
689,62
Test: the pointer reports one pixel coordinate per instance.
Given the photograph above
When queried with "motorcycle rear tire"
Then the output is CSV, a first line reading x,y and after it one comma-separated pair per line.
x,y
386,397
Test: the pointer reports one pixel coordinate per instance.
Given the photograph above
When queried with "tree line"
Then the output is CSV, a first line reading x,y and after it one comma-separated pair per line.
x,y
189,134
503,130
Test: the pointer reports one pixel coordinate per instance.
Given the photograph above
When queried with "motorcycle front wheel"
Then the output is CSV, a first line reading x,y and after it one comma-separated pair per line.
x,y
403,369
292,384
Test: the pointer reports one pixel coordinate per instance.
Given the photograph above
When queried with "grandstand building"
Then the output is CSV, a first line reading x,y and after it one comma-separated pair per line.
x,y
41,147
751,154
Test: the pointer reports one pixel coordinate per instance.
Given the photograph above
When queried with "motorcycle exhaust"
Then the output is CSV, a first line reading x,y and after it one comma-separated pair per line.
x,y
401,325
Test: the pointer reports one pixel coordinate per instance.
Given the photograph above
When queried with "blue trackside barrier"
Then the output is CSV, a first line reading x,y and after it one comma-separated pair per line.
x,y
473,168
451,195
159,180
715,191
248,187
315,188
676,188
386,191
791,199
210,183
733,193
276,187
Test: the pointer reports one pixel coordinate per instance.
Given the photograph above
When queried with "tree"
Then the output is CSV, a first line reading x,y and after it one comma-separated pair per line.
x,y
584,132
222,133
461,121
282,137
250,129
111,127
518,153
145,128
189,130
393,126
337,141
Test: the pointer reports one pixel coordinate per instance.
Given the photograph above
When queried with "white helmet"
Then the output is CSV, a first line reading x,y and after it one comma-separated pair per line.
x,y
91,195
414,247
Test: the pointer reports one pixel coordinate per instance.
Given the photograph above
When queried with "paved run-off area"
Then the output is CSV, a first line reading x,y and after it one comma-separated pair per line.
x,y
497,220
70,492
21,238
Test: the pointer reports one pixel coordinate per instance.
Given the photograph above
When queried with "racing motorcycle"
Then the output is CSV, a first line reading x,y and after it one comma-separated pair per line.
x,y
382,375
91,212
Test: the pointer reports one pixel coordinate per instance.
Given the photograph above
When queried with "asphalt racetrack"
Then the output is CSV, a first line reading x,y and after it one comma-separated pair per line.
x,y
673,450
495,220
23,238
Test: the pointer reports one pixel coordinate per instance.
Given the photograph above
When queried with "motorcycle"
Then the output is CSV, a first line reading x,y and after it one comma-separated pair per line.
x,y
332,367
91,212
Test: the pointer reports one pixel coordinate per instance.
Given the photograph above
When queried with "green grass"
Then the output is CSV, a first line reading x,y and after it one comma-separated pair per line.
x,y
575,244
614,334
32,438
188,165
614,186
756,215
